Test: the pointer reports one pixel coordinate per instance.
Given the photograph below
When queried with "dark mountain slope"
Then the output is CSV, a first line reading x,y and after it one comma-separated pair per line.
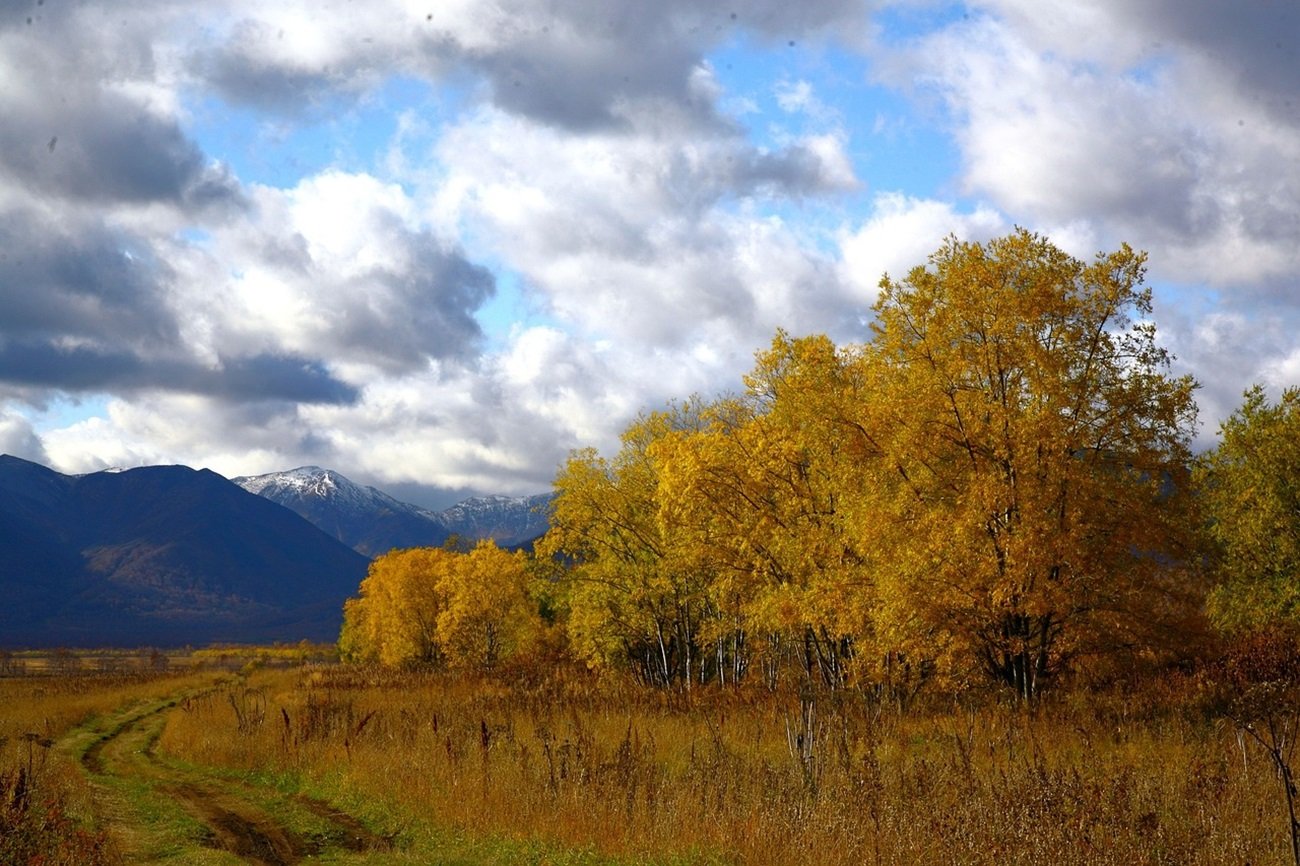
x,y
161,555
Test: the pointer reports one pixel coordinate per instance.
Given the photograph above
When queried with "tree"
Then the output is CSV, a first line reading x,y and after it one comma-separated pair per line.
x,y
1250,485
1030,450
760,491
395,619
441,606
487,615
635,594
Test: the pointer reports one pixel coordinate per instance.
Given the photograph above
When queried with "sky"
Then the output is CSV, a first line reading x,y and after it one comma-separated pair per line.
x,y
437,245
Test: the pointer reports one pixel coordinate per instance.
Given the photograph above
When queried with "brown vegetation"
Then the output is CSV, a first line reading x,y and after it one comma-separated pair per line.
x,y
1134,774
46,810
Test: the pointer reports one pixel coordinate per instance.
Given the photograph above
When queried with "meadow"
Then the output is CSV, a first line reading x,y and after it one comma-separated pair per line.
x,y
48,812
1136,775
568,767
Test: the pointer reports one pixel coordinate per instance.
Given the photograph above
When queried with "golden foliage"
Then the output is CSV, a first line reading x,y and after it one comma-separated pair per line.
x,y
995,481
635,595
1033,451
435,606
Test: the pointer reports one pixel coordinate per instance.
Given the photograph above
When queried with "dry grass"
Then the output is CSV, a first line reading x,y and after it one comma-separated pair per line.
x,y
46,814
756,778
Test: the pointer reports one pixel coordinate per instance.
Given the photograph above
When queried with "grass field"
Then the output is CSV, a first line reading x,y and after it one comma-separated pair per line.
x,y
360,765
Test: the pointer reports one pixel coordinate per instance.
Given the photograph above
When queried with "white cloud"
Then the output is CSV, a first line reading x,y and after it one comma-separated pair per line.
x,y
18,439
902,232
795,96
1169,125
337,266
1139,134
632,236
596,157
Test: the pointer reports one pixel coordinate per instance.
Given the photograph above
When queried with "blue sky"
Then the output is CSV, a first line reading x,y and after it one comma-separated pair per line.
x,y
437,246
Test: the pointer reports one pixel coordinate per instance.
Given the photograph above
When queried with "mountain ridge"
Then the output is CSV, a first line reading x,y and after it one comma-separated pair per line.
x,y
372,522
161,555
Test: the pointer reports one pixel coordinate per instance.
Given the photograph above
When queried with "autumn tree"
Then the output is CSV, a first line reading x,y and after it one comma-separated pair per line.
x,y
439,606
760,491
1250,485
997,479
1030,446
395,619
487,615
635,595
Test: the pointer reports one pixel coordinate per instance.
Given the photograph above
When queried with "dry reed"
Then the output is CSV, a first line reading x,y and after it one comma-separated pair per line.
x,y
753,777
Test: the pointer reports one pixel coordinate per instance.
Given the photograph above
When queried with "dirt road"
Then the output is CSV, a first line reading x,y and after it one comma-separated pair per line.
x,y
158,810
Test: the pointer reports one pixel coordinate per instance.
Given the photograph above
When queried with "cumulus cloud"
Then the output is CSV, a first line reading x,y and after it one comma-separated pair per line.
x,y
635,238
1170,125
102,131
338,268
902,232
1173,135
18,439
589,157
249,326
577,64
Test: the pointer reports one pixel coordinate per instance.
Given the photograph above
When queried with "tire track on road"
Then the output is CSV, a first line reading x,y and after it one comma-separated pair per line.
x,y
233,822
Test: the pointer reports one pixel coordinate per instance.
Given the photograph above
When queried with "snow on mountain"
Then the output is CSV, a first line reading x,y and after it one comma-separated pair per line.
x,y
317,483
510,520
372,522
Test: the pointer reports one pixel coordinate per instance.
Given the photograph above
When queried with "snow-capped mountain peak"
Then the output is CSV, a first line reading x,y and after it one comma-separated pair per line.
x,y
316,483
373,522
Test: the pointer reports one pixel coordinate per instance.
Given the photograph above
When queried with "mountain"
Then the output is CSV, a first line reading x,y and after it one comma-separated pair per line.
x,y
372,522
161,555
513,521
365,519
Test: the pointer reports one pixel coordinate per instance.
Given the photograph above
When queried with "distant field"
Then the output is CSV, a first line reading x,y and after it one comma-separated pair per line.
x,y
44,662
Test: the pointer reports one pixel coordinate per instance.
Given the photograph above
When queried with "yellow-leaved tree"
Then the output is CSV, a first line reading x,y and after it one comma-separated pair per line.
x,y
759,492
635,596
1030,486
438,606
487,615
395,619
997,480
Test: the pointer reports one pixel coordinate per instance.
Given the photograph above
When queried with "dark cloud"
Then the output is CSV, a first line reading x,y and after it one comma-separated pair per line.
x,y
580,61
1254,44
71,131
429,496
214,192
249,68
580,68
272,377
76,279
102,149
43,364
425,310
587,87
574,64
794,171
358,283
89,308
81,368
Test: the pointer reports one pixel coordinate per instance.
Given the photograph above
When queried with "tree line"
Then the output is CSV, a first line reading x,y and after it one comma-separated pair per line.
x,y
998,483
